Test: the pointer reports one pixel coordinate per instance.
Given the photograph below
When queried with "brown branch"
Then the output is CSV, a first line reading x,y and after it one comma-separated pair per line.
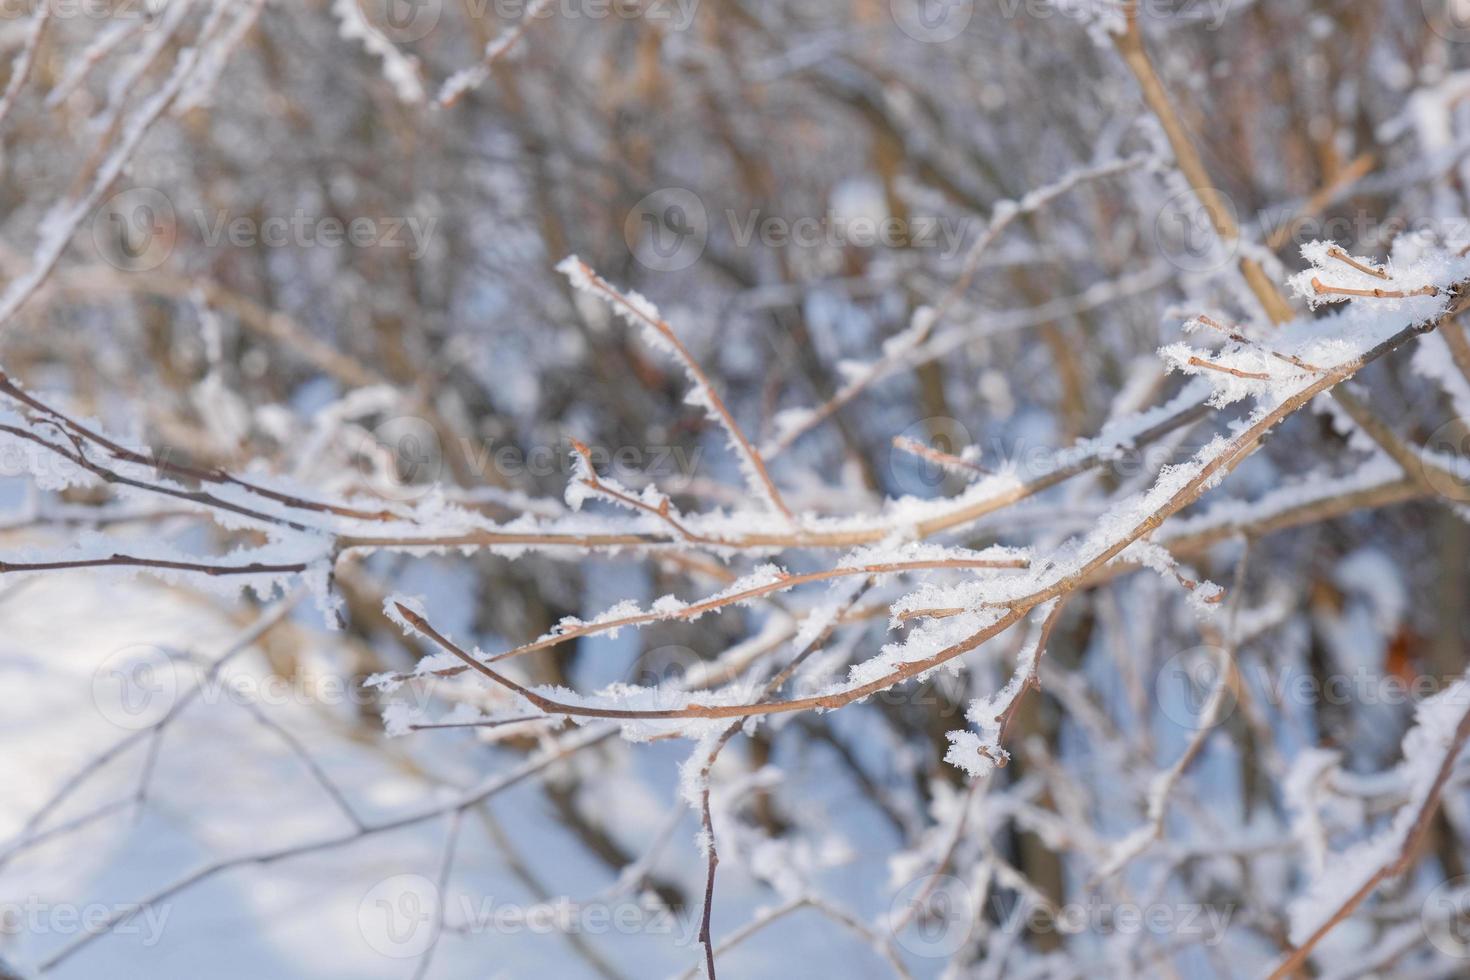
x,y
1414,463
1348,260
466,79
164,465
1322,289
698,609
118,561
1131,846
1130,45
1242,339
1211,365
78,457
717,404
20,68
1454,336
1394,868
961,514
1307,512
1209,474
663,511
948,461
920,330
706,817
1033,680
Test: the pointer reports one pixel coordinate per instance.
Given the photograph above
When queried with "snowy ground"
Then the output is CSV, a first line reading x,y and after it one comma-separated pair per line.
x,y
224,784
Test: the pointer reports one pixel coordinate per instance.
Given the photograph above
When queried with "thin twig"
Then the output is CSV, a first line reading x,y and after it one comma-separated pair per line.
x,y
639,312
1240,338
1224,369
441,883
1397,866
948,461
1322,289
1348,260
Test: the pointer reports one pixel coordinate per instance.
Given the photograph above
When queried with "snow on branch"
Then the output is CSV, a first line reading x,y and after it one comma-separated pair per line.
x,y
223,428
20,67
641,314
792,424
469,79
1431,750
401,70
980,751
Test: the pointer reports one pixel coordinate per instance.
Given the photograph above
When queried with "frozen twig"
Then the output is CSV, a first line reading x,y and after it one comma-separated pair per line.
x,y
468,79
639,312
20,67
